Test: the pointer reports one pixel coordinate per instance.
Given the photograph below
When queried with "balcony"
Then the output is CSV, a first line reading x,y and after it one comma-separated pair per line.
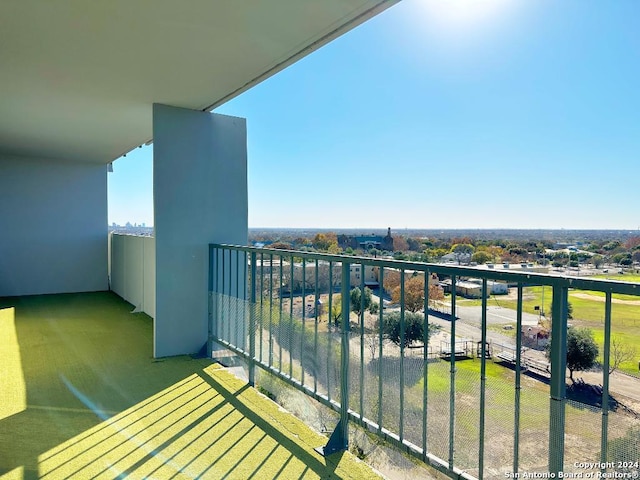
x,y
82,397
468,411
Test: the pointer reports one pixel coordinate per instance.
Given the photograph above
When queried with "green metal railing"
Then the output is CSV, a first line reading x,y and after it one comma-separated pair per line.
x,y
467,413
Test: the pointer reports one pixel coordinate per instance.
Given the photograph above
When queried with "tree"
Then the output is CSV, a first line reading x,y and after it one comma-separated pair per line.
x,y
462,252
632,243
357,302
495,251
597,260
413,328
582,350
400,244
619,354
481,257
334,249
433,254
622,258
302,241
374,308
612,245
414,293
414,244
281,246
560,259
322,241
517,252
336,309
391,279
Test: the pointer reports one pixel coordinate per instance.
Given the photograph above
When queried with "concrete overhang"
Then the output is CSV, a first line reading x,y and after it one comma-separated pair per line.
x,y
78,77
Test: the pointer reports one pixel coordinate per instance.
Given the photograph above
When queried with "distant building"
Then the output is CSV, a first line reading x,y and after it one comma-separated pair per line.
x,y
297,278
495,288
370,276
523,267
366,242
463,288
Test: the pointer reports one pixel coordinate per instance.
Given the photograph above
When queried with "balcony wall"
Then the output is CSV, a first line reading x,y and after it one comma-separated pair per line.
x,y
53,226
133,270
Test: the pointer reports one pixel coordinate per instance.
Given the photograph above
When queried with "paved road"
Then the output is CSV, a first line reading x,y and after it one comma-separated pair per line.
x,y
495,315
470,329
469,321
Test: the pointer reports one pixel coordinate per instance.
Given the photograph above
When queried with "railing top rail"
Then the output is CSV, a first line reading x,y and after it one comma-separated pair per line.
x,y
525,278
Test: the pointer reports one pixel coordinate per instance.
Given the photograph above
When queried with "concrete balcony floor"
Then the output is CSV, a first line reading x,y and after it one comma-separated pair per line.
x,y
82,397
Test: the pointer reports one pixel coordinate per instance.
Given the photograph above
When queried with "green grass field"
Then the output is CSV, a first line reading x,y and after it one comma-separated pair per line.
x,y
583,424
624,277
588,311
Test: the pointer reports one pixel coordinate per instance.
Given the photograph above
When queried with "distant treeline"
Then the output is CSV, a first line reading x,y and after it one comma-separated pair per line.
x,y
555,236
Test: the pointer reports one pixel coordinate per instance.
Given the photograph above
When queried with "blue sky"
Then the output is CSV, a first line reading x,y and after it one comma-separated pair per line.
x,y
444,114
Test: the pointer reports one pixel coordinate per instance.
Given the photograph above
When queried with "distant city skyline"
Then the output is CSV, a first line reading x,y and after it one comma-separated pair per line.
x,y
459,114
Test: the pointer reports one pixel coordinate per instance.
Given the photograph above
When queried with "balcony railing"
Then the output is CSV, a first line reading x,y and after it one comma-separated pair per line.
x,y
464,400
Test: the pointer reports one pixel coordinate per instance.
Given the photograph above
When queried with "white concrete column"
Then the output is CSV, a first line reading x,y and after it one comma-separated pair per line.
x,y
200,197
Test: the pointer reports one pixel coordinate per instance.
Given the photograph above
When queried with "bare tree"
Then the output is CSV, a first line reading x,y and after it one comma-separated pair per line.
x,y
619,354
371,342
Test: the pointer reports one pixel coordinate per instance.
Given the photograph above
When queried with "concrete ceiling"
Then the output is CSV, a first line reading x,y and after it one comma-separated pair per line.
x,y
78,77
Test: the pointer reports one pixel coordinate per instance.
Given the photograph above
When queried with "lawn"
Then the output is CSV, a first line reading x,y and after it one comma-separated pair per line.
x,y
582,423
589,312
622,277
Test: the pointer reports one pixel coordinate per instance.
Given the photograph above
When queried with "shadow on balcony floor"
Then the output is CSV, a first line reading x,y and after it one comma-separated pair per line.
x,y
82,397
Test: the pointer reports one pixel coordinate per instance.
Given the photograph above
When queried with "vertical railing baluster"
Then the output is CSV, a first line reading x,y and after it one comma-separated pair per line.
x,y
233,314
516,406
344,358
261,314
483,379
217,302
605,380
425,364
380,345
229,297
210,305
252,322
244,323
280,317
558,378
270,309
361,383
222,301
452,380
316,299
291,327
303,329
237,300
329,341
402,337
